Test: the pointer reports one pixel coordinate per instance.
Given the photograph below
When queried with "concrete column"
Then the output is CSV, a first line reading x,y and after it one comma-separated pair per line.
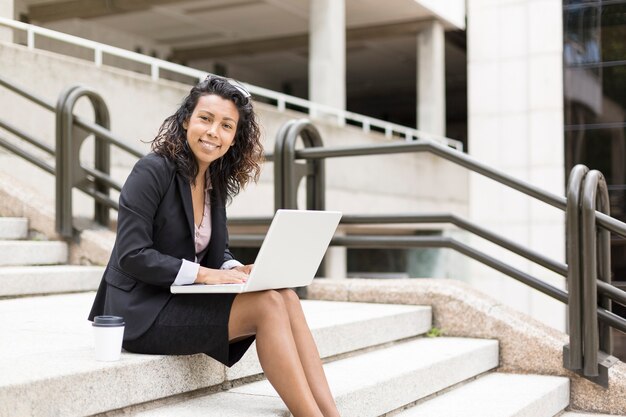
x,y
431,81
327,52
7,10
336,260
515,124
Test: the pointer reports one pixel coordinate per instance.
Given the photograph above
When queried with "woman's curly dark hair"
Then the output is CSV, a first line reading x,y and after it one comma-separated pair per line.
x,y
240,164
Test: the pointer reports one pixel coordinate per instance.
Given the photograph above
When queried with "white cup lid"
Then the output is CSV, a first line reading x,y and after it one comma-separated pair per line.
x,y
108,321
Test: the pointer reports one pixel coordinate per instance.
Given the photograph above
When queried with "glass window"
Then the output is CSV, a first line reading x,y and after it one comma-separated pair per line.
x,y
601,149
394,263
581,27
595,95
594,54
613,21
377,262
614,89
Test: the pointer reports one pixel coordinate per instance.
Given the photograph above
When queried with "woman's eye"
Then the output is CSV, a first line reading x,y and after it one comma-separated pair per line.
x,y
227,126
204,117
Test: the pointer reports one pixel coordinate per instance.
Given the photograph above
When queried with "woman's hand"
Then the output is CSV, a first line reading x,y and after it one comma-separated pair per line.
x,y
221,276
246,269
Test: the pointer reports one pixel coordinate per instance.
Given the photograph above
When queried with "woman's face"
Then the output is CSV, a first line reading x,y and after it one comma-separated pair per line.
x,y
211,128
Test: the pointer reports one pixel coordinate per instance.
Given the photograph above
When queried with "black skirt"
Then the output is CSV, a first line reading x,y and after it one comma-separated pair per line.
x,y
190,324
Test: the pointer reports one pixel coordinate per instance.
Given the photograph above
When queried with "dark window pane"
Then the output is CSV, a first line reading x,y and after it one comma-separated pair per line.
x,y
377,260
614,88
595,95
613,22
604,150
581,33
595,104
245,255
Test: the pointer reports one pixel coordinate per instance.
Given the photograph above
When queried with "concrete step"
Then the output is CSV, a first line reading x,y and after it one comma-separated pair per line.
x,y
47,366
13,228
370,384
359,322
55,279
499,395
580,414
32,253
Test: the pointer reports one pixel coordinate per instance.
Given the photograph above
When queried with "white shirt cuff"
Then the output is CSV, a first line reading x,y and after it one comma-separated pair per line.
x,y
233,263
187,273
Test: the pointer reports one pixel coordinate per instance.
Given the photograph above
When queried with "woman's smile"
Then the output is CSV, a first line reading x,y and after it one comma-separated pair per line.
x,y
208,146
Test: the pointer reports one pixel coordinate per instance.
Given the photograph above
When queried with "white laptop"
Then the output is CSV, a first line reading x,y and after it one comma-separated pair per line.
x,y
289,256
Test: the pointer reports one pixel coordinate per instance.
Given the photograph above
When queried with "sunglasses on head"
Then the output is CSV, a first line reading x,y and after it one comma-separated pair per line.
x,y
243,90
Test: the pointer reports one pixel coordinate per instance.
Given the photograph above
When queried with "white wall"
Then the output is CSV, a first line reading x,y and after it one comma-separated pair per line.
x,y
515,105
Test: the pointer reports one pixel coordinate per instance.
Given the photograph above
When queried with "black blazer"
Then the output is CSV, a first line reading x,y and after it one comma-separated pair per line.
x,y
155,231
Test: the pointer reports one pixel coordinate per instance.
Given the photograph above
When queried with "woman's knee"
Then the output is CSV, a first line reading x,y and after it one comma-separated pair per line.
x,y
270,304
250,310
290,298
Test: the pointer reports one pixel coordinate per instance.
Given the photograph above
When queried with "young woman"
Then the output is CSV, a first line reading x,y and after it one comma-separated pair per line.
x,y
172,231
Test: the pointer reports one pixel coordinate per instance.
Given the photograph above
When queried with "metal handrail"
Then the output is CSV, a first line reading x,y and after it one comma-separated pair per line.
x,y
596,252
355,219
424,145
594,369
68,171
463,160
560,268
26,155
400,242
29,138
282,100
79,121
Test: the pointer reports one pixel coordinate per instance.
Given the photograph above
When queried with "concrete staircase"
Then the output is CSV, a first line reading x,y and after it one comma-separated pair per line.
x,y
30,267
377,360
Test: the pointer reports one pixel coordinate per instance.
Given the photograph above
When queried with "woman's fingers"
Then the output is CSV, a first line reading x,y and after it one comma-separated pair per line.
x,y
220,276
241,274
235,276
247,269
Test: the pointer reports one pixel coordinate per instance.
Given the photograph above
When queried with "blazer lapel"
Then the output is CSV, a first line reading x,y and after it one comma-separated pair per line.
x,y
215,254
185,191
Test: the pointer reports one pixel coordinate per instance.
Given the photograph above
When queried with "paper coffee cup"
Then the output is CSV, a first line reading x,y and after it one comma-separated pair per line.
x,y
108,334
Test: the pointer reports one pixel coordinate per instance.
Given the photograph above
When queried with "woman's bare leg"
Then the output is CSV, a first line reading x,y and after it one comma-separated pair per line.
x,y
309,355
265,314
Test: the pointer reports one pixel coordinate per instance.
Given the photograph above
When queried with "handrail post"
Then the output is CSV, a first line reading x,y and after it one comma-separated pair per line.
x,y
573,353
64,166
596,260
279,175
292,172
604,263
69,172
590,271
30,38
288,173
102,162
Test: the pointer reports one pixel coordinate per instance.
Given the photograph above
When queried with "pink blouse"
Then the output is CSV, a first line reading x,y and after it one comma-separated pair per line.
x,y
203,231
